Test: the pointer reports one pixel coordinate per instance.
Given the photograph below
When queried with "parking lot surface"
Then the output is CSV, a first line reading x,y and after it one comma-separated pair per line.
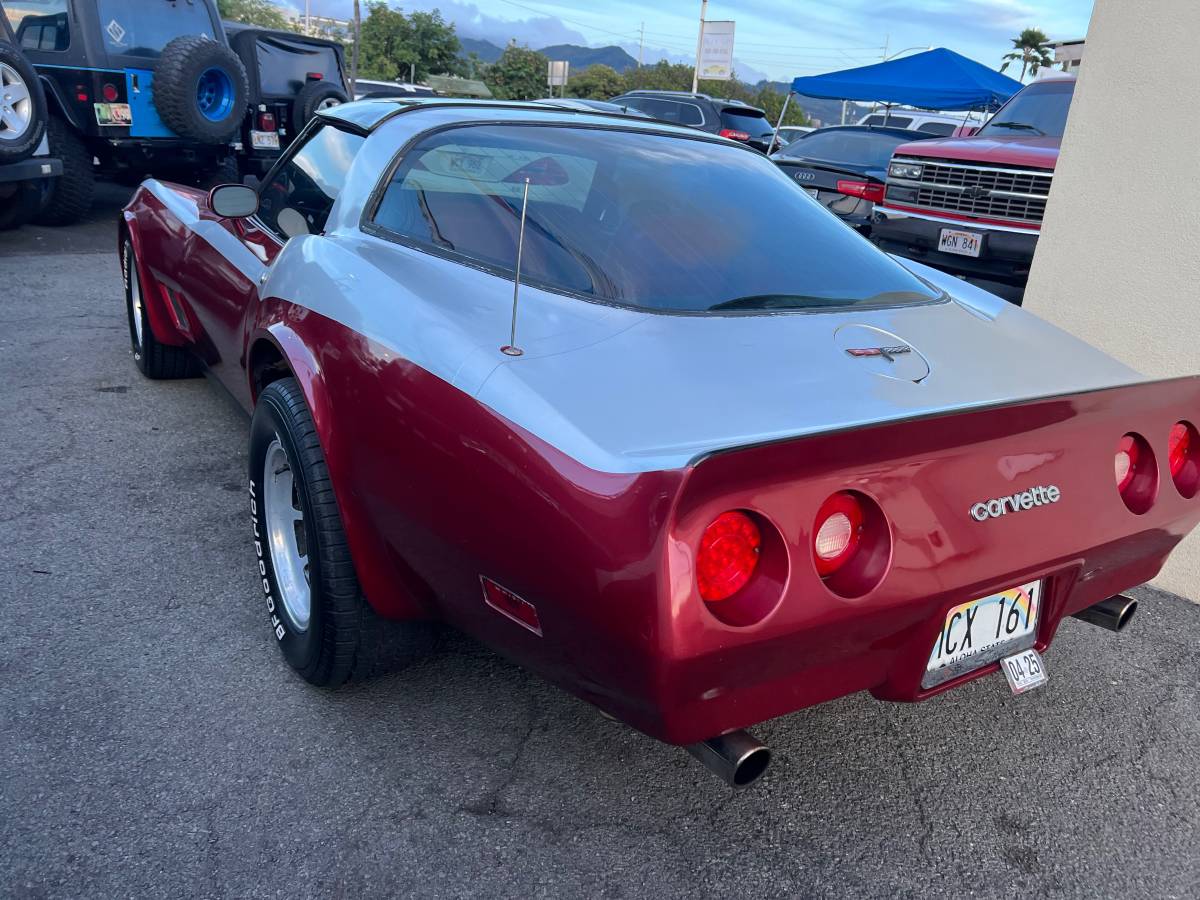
x,y
155,744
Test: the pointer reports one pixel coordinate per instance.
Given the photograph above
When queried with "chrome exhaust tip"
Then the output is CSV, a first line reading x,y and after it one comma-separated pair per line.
x,y
736,758
1112,614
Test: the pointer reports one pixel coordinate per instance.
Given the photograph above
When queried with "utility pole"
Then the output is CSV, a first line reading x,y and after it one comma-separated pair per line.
x,y
699,46
641,43
354,50
307,17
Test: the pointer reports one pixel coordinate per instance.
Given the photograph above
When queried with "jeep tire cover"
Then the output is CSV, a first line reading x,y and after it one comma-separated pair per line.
x,y
200,89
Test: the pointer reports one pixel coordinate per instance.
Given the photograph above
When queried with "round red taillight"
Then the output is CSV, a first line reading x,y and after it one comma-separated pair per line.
x,y
1183,458
110,93
728,555
837,532
1136,473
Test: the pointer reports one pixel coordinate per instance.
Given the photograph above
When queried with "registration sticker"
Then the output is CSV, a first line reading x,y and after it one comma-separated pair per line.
x,y
115,115
982,631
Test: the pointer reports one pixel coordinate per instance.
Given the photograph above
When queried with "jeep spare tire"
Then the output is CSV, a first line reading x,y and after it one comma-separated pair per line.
x,y
22,106
313,97
200,89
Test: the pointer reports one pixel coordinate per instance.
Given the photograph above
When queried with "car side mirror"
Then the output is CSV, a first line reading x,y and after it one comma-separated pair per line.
x,y
233,201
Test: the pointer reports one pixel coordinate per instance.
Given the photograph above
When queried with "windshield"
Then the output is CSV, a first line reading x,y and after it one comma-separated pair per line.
x,y
1040,109
750,121
638,219
861,149
138,28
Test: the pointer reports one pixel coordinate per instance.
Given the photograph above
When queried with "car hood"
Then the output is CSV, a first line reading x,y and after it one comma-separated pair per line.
x,y
1017,150
664,390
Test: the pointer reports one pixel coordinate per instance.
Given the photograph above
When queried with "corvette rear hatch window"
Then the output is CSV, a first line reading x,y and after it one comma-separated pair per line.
x,y
638,219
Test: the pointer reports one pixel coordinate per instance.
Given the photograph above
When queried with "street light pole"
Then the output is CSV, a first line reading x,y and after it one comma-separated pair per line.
x,y
699,46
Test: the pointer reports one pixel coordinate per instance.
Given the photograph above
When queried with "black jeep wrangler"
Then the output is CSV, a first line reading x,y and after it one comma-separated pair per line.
x,y
291,77
143,87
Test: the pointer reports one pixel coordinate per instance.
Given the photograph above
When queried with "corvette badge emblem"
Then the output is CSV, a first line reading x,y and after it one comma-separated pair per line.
x,y
888,353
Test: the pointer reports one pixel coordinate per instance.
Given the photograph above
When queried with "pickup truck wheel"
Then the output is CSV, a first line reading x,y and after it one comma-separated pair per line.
x,y
154,360
326,629
22,106
69,197
314,97
200,89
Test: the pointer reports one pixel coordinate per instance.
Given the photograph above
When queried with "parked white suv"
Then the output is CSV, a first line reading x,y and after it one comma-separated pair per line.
x,y
941,124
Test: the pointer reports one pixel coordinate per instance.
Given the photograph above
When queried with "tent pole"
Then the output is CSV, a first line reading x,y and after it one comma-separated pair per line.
x,y
779,124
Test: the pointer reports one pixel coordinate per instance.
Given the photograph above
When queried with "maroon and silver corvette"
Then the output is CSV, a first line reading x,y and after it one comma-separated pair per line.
x,y
709,458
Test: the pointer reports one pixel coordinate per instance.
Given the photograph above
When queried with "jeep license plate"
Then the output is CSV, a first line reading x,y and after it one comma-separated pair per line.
x,y
264,140
984,631
964,243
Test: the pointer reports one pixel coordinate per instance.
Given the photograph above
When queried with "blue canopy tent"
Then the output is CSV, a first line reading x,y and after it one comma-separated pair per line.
x,y
935,79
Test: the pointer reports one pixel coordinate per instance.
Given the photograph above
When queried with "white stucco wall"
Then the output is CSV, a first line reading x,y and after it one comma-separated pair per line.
x,y
1118,262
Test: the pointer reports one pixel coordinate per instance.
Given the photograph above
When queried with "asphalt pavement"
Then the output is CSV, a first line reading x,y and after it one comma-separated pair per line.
x,y
153,743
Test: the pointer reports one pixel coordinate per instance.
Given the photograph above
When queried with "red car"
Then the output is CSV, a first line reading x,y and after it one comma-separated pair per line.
x,y
621,400
974,205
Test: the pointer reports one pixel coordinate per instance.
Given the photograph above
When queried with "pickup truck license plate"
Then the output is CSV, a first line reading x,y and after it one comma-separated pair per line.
x,y
964,243
264,140
982,631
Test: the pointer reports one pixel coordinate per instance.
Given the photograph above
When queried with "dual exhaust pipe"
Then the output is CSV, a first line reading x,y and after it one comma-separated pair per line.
x,y
739,759
1112,614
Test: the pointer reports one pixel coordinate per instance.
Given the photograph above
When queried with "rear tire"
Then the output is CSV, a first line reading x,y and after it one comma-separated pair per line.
x,y
22,106
326,629
69,198
313,97
200,89
154,360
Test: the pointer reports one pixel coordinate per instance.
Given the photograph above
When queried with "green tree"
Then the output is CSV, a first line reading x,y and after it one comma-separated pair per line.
x,y
770,101
519,74
263,13
1030,48
596,82
397,46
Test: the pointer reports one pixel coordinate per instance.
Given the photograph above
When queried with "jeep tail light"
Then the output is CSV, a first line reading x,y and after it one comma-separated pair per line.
x,y
727,556
315,76
837,532
734,134
864,189
1136,473
109,91
1183,458
266,121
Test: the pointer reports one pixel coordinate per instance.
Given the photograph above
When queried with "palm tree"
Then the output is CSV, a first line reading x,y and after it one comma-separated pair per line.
x,y
1030,48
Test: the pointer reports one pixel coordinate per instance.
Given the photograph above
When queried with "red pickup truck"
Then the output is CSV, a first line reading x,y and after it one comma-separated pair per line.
x,y
974,205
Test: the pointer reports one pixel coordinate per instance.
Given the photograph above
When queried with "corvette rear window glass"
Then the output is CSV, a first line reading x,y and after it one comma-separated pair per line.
x,y
638,219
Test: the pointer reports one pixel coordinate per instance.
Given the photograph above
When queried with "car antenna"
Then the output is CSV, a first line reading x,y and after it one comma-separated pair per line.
x,y
511,348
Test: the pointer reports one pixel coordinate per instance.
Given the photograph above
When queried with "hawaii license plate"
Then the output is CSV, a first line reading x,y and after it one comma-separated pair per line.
x,y
983,631
264,140
964,243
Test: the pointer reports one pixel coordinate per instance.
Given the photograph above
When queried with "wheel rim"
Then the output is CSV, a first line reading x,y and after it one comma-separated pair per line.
x,y
286,535
135,301
16,104
214,94
329,103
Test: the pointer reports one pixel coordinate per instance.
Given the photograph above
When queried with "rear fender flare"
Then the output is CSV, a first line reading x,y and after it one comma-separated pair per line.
x,y
386,581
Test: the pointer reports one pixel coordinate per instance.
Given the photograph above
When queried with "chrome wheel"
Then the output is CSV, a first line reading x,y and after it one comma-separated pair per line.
x,y
16,105
135,300
286,536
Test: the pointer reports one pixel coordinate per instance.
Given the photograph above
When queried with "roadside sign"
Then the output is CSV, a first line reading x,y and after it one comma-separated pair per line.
x,y
716,51
556,72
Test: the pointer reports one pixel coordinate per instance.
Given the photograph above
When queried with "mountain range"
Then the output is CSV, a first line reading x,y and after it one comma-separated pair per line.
x,y
579,57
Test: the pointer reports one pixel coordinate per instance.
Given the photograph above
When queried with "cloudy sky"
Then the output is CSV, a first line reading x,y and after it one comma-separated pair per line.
x,y
778,38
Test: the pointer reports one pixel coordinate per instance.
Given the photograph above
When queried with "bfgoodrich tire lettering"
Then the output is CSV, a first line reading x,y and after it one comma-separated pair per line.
x,y
342,639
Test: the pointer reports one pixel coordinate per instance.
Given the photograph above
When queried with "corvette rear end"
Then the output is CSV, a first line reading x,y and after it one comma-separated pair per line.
x,y
619,400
